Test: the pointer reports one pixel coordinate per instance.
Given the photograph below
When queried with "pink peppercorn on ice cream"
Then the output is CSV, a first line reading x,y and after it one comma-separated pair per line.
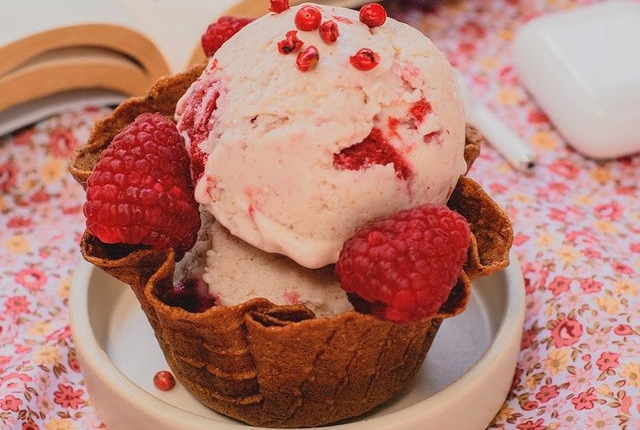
x,y
294,216
293,161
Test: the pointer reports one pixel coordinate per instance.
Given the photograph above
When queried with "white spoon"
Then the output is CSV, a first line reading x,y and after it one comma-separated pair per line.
x,y
512,148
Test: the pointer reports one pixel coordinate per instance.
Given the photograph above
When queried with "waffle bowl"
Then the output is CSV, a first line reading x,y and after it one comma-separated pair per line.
x,y
279,366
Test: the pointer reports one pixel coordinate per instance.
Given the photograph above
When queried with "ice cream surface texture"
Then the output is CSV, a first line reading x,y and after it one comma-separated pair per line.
x,y
235,271
293,160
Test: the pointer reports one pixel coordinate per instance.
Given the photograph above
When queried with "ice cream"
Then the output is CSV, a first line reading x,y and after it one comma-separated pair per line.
x,y
293,161
236,271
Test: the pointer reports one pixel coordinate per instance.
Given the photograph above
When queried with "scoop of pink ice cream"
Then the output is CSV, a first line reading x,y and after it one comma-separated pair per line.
x,y
294,161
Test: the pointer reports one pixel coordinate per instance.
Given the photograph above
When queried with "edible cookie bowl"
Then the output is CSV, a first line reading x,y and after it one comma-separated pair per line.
x,y
145,270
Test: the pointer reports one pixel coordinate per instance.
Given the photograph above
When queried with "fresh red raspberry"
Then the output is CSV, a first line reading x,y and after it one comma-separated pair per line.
x,y
217,33
404,267
140,191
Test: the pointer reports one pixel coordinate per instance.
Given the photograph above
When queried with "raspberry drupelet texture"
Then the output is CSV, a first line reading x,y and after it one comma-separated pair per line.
x,y
217,33
140,191
402,268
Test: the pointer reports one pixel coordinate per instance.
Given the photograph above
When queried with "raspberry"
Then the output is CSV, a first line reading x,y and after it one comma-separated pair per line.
x,y
196,117
404,267
220,31
420,110
140,191
191,294
374,149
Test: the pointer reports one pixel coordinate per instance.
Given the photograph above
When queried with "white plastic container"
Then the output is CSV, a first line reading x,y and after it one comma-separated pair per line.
x,y
582,66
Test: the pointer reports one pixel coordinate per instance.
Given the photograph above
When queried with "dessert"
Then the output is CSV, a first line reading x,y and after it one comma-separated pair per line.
x,y
340,147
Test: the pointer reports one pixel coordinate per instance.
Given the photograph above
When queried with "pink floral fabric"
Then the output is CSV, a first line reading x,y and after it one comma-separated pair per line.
x,y
41,221
576,222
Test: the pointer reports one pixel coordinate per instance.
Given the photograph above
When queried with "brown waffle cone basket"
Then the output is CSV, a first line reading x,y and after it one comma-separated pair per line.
x,y
280,366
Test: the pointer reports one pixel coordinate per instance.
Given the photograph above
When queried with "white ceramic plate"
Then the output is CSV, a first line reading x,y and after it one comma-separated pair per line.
x,y
461,386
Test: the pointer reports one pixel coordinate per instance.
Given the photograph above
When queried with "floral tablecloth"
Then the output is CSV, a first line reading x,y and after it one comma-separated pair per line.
x,y
577,238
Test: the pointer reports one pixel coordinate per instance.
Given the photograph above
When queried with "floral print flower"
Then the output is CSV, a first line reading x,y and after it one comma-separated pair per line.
x,y
17,244
584,400
60,424
631,372
47,355
532,425
609,211
565,168
62,142
626,287
608,361
10,403
67,397
16,305
8,176
623,330
31,278
608,304
590,285
566,332
547,392
52,170
601,420
556,360
559,285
